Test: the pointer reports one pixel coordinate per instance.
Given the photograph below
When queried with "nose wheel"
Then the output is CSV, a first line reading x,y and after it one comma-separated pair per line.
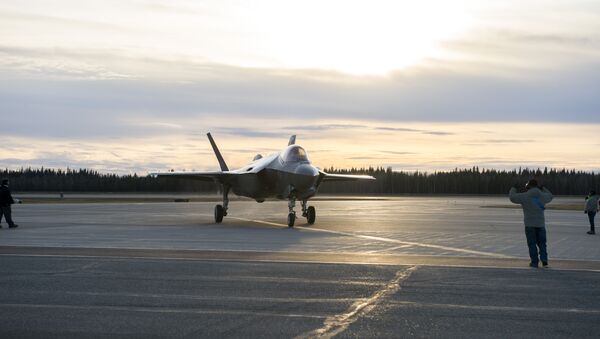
x,y
291,219
291,214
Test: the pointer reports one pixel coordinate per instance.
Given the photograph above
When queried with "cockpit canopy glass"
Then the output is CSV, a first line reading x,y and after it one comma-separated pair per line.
x,y
294,154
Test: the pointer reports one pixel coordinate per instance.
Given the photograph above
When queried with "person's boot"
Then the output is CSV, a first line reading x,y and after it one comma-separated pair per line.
x,y
533,264
591,232
13,226
545,264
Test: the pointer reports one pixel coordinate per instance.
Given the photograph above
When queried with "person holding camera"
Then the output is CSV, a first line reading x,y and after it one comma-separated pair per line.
x,y
591,208
533,201
6,200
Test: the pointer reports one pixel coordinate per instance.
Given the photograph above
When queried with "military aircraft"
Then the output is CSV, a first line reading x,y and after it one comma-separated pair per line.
x,y
287,175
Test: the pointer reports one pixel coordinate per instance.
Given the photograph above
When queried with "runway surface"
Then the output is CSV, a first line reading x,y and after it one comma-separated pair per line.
x,y
423,267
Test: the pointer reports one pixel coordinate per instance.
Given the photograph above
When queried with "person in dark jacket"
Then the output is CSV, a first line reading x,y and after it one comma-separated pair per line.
x,y
591,208
533,201
6,200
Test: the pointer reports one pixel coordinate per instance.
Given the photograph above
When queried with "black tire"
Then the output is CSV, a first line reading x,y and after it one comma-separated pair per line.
x,y
218,213
291,219
311,215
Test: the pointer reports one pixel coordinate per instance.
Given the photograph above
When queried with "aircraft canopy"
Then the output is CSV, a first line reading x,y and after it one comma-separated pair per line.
x,y
294,153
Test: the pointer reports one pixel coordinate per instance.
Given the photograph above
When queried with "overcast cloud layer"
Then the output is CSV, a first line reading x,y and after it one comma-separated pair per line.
x,y
146,71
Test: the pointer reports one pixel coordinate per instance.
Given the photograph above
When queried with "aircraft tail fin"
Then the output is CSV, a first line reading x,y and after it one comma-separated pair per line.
x,y
222,163
292,140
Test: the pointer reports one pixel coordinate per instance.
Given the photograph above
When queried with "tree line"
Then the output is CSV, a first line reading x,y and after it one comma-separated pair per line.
x,y
457,181
465,181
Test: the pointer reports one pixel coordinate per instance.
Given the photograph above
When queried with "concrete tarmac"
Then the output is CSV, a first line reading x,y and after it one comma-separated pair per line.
x,y
418,267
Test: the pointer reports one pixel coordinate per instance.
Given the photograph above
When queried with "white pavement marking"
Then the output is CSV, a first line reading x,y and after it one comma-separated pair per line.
x,y
161,310
209,298
420,244
336,324
457,263
495,308
388,240
388,249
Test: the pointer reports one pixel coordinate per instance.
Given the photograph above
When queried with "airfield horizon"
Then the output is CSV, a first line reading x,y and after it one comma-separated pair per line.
x,y
567,203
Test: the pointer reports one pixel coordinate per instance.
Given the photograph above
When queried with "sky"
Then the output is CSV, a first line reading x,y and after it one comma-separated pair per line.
x,y
130,86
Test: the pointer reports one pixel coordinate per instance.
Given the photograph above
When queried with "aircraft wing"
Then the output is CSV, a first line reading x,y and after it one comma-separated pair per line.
x,y
223,177
344,177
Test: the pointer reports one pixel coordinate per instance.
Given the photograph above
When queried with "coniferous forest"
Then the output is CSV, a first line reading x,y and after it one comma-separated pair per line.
x,y
458,181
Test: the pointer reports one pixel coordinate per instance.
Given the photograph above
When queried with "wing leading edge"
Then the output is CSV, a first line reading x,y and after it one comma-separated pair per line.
x,y
219,177
344,177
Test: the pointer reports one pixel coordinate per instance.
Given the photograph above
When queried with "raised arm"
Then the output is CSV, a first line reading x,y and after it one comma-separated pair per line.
x,y
546,195
516,197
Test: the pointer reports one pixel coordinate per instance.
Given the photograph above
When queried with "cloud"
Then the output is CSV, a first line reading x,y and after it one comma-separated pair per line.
x,y
87,106
64,160
397,129
366,157
499,142
251,133
323,127
254,150
57,20
437,133
400,129
507,141
397,152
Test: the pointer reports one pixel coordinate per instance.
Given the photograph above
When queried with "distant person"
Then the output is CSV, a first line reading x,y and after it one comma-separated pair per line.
x,y
533,201
591,208
6,200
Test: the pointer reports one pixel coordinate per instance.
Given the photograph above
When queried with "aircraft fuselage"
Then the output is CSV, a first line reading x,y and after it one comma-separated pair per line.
x,y
286,175
273,177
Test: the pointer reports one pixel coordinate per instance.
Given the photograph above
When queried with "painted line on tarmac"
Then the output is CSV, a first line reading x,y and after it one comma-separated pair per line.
x,y
388,240
494,308
209,298
292,257
337,324
420,244
161,310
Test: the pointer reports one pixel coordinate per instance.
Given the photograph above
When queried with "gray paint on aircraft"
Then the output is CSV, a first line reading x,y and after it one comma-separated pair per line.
x,y
287,175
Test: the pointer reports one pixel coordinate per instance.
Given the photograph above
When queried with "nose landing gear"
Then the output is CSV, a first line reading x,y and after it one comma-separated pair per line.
x,y
292,214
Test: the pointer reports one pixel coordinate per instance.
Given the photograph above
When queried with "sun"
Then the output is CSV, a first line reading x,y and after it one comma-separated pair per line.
x,y
356,37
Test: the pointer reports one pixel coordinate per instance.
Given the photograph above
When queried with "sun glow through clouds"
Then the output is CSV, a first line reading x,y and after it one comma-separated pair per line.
x,y
356,37
134,85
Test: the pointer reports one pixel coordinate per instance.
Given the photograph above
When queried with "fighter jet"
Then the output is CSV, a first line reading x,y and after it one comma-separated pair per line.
x,y
287,175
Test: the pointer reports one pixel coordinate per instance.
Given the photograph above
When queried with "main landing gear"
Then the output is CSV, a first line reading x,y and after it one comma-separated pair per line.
x,y
292,214
308,212
221,210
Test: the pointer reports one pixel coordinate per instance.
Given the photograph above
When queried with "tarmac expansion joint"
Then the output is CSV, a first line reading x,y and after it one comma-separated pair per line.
x,y
336,324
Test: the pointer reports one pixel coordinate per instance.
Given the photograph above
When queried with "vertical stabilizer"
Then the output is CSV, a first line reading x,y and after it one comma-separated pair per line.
x,y
222,163
292,140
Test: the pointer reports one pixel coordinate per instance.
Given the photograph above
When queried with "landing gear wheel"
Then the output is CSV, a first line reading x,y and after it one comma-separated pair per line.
x,y
311,215
219,212
291,219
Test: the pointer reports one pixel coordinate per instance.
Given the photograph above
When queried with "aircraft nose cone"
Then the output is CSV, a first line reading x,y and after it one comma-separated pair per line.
x,y
307,170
